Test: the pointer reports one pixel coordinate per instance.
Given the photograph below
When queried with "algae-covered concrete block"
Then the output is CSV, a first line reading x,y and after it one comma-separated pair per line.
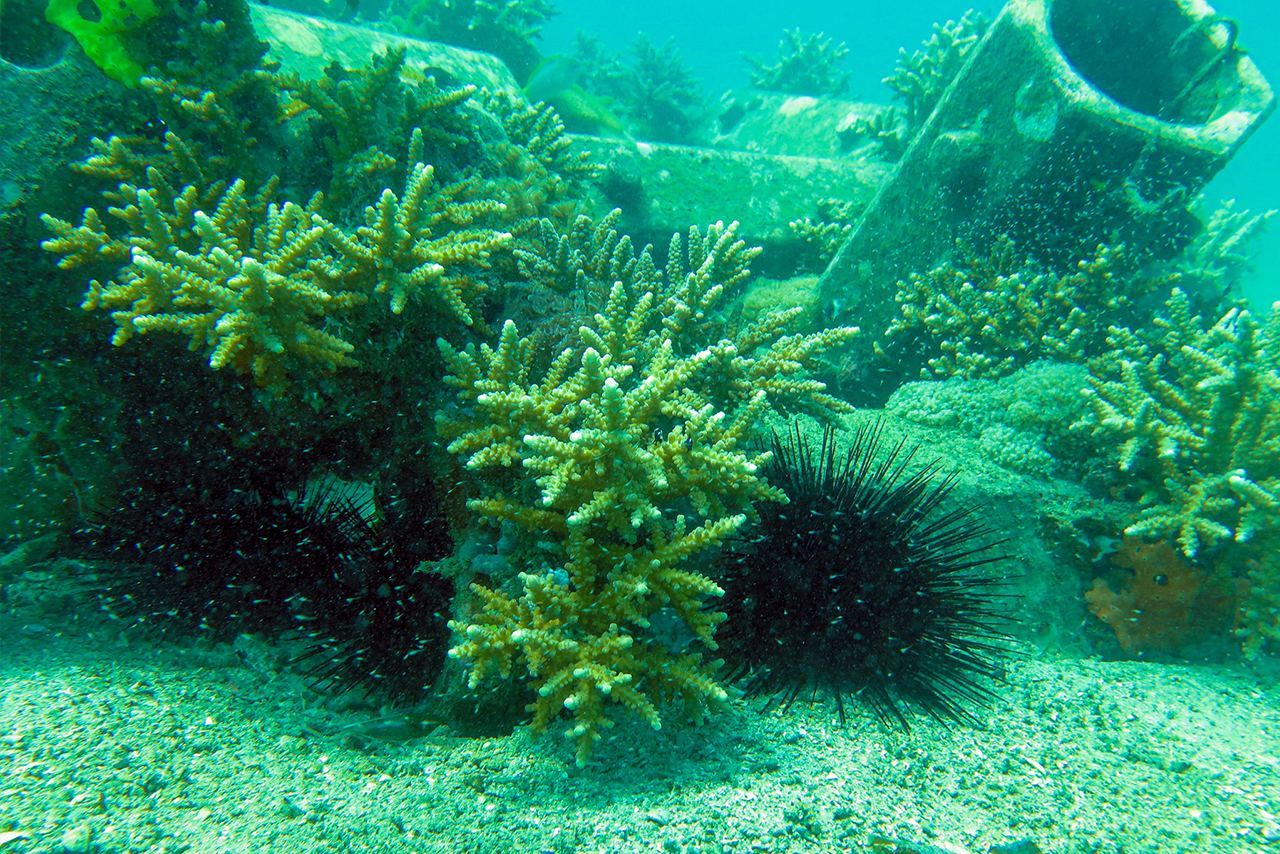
x,y
52,100
48,114
798,125
665,188
1073,122
305,45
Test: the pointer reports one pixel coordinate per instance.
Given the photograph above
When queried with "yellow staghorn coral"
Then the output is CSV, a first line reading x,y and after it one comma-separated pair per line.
x,y
420,244
985,317
821,236
117,159
252,283
229,136
539,172
588,258
246,294
539,131
1258,624
808,64
617,464
176,185
175,169
152,207
629,303
614,460
1195,415
360,121
924,75
1216,260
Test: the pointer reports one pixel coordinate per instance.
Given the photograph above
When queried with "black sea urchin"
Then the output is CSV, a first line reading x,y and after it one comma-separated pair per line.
x,y
320,564
383,623
219,560
860,587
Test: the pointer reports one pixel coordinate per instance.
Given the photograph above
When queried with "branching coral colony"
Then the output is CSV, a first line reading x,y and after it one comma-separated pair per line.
x,y
1197,414
1194,411
251,284
808,64
983,317
920,79
266,287
612,468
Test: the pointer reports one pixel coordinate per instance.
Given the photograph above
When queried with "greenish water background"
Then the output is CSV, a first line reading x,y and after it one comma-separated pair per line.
x,y
713,34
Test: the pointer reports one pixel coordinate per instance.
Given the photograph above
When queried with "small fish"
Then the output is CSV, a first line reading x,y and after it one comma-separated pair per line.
x,y
555,81
553,74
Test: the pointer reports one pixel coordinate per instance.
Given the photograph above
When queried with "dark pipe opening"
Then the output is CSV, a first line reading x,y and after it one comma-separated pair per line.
x,y
28,40
1147,55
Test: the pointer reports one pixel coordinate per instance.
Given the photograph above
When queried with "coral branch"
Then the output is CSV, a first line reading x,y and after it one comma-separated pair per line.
x,y
619,462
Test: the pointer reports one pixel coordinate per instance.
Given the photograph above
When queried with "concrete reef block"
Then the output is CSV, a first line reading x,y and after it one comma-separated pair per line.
x,y
50,106
305,45
797,125
1073,122
665,188
52,100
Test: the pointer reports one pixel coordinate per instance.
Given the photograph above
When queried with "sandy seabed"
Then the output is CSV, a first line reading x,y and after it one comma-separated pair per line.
x,y
114,742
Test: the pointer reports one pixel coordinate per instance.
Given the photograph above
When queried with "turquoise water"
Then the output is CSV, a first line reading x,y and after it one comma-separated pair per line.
x,y
424,430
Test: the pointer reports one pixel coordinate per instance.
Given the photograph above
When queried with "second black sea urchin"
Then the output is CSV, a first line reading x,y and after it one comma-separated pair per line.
x,y
862,586
339,572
